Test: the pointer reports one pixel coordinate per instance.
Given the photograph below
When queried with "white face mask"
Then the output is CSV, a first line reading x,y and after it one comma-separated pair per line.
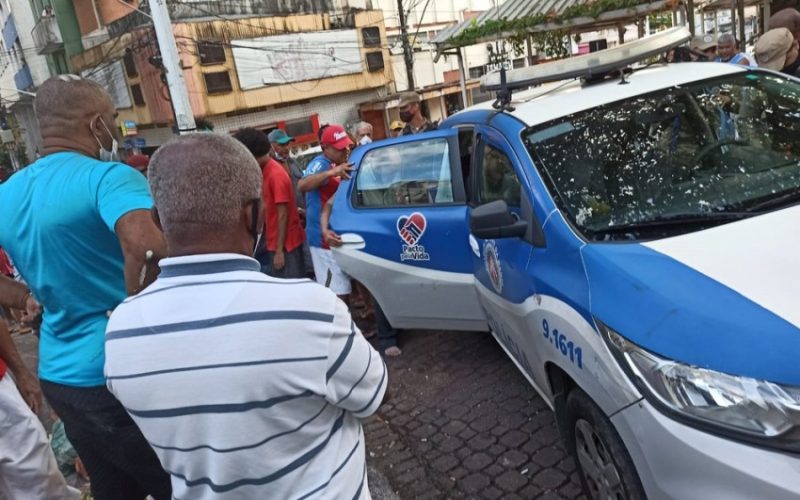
x,y
365,140
103,153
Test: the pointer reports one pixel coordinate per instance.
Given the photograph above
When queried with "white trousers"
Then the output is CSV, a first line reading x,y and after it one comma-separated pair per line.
x,y
28,469
328,272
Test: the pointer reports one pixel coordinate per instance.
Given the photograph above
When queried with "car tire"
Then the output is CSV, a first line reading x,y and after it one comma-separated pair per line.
x,y
604,465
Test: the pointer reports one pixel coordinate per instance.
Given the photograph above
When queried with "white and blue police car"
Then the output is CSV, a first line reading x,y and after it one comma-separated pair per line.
x,y
631,238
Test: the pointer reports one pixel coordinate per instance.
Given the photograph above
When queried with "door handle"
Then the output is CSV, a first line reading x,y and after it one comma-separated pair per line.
x,y
352,241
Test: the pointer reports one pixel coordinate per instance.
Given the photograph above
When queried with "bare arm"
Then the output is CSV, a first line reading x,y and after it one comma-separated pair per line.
x,y
279,260
139,235
316,181
13,294
329,236
26,382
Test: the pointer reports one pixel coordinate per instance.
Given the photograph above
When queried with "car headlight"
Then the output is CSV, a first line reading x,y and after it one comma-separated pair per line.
x,y
738,407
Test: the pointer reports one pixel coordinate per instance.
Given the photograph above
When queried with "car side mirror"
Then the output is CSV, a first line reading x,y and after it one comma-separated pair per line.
x,y
494,220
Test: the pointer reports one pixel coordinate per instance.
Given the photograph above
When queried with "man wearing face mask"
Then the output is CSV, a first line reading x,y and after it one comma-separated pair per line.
x,y
411,113
77,225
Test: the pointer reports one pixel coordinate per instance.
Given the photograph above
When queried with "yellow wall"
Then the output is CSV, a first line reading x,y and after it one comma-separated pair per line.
x,y
237,100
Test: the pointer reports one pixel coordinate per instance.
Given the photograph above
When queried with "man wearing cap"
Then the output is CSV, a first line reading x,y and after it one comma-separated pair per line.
x,y
279,143
320,181
778,50
411,113
397,128
728,51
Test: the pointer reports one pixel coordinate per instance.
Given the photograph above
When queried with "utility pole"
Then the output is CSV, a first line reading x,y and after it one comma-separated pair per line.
x,y
179,96
408,55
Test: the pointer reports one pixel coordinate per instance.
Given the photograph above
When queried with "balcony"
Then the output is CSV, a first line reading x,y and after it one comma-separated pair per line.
x,y
9,32
23,79
47,35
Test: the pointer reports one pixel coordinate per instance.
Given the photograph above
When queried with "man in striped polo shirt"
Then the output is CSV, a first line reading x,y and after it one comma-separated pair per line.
x,y
246,386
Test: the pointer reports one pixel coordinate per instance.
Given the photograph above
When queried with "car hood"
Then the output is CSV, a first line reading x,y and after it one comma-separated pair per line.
x,y
726,298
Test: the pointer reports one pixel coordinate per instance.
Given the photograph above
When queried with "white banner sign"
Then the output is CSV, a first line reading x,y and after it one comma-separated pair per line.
x,y
112,78
275,60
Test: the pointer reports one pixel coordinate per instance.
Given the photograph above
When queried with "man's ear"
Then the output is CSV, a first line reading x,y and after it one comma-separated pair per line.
x,y
156,218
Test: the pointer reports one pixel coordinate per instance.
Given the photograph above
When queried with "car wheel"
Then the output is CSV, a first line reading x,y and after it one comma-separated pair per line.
x,y
604,465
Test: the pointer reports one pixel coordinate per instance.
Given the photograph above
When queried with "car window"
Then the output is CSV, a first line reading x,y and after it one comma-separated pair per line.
x,y
676,160
466,146
497,179
415,173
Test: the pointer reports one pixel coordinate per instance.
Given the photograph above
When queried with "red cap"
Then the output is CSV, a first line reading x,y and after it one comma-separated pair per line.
x,y
336,136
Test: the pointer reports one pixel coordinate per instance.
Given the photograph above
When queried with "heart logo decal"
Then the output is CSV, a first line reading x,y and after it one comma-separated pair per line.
x,y
411,228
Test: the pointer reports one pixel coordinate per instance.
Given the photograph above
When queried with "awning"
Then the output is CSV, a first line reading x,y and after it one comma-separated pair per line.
x,y
554,10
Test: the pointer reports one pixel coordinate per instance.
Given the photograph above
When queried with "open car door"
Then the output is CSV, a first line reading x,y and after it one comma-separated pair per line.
x,y
403,220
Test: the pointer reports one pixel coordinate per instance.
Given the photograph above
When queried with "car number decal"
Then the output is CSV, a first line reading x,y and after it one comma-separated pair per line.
x,y
566,347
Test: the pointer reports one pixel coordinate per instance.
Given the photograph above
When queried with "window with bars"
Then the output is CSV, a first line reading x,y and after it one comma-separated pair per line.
x,y
211,52
218,82
136,93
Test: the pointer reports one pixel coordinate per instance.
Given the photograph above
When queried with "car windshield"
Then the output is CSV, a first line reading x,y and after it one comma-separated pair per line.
x,y
675,161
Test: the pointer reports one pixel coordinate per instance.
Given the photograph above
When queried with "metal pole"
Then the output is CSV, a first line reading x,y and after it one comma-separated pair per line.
x,y
462,77
766,14
690,15
179,96
740,10
408,55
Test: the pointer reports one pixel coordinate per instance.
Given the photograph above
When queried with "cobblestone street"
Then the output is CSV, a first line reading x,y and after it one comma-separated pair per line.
x,y
463,423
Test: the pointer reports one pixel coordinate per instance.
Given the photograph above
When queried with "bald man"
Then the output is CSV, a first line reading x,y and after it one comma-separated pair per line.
x,y
77,225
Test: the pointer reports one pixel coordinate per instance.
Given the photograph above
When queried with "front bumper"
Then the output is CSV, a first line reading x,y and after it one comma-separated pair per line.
x,y
678,462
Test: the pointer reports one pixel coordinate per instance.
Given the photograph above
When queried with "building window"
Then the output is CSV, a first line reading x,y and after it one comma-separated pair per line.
x,y
136,92
371,36
375,61
218,82
297,128
130,65
211,52
477,72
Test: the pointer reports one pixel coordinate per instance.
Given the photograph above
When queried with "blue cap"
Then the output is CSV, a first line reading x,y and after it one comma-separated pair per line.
x,y
279,136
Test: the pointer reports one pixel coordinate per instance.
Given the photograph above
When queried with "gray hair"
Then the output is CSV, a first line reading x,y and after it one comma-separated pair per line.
x,y
203,179
63,99
363,126
727,38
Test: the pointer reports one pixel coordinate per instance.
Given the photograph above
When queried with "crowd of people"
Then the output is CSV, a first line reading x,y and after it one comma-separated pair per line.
x,y
181,343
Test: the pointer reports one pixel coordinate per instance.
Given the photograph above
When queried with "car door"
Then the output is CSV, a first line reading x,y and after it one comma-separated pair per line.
x,y
504,285
403,221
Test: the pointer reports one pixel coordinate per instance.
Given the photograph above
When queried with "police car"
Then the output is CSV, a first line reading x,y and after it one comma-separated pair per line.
x,y
630,238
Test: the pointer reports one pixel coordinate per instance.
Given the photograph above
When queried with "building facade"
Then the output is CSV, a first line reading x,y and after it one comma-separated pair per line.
x,y
256,65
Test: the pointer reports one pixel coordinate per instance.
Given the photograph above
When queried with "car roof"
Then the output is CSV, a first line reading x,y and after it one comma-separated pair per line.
x,y
554,100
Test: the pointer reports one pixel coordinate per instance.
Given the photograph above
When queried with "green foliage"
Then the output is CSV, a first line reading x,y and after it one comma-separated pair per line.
x,y
552,43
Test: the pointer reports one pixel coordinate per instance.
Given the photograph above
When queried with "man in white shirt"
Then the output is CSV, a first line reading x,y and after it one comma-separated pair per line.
x,y
246,386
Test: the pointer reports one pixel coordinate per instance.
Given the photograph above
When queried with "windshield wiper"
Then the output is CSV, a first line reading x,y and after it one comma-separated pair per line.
x,y
778,200
677,220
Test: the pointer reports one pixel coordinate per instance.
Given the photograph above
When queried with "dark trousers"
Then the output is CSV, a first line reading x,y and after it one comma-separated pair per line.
x,y
120,462
294,264
387,336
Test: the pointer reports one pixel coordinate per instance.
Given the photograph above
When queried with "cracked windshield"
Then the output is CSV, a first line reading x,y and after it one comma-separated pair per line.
x,y
675,161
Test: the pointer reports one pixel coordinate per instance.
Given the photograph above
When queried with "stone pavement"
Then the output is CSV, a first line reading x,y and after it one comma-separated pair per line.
x,y
464,423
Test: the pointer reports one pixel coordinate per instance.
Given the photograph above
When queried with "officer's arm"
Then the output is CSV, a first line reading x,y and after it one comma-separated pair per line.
x,y
13,294
314,181
143,246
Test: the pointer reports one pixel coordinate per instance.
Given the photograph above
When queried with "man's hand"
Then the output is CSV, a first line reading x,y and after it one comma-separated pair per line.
x,y
342,170
30,390
333,239
278,260
33,312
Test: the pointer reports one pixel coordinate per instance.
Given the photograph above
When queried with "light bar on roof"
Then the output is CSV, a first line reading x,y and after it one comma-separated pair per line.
x,y
592,64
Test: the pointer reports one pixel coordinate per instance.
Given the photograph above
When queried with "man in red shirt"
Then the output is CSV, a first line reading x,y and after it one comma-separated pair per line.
x,y
284,233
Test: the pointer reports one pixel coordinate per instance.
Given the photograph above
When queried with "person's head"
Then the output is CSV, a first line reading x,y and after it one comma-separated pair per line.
x,y
256,142
139,161
207,195
77,114
280,143
726,46
335,143
363,129
786,18
776,49
703,43
396,127
410,106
